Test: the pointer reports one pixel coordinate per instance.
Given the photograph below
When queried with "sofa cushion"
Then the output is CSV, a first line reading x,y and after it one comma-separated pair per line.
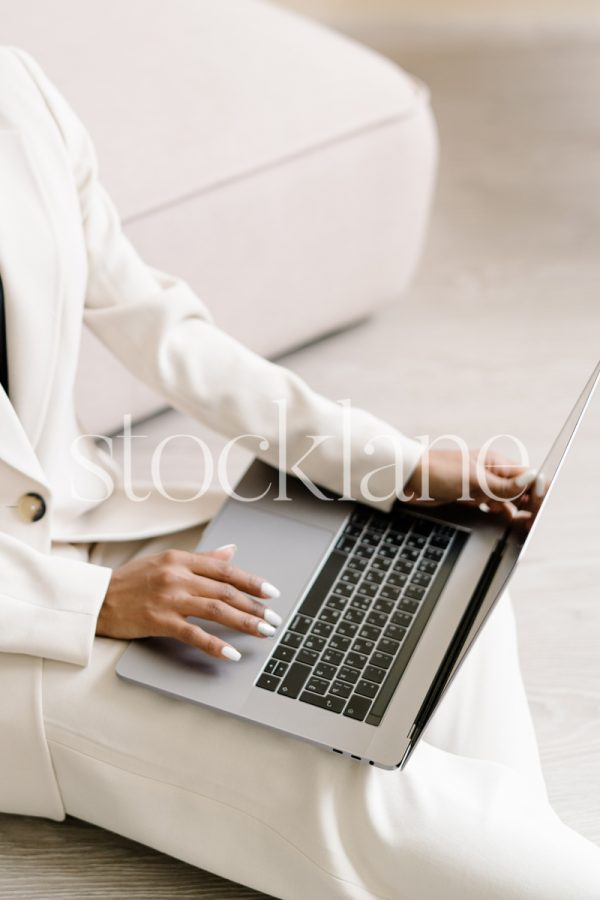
x,y
185,95
283,170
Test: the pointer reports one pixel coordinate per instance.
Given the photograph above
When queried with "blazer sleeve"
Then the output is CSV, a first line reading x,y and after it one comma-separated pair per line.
x,y
49,604
163,332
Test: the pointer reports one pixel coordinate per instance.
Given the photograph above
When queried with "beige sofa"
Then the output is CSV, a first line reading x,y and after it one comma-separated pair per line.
x,y
282,169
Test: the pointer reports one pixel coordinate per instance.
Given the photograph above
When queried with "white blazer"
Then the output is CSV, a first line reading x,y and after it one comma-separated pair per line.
x,y
64,260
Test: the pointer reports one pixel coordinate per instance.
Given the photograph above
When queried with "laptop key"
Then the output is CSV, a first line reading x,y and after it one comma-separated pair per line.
x,y
396,580
385,645
328,614
293,682
345,544
357,707
346,628
354,615
337,642
381,660
421,578
268,682
402,617
383,606
313,601
285,653
280,668
360,602
347,674
377,618
336,602
332,657
373,577
407,605
323,670
389,592
333,704
341,689
270,667
395,632
308,657
414,591
317,686
322,629
357,564
341,589
301,624
433,553
368,589
410,554
381,564
403,566
366,688
361,645
356,660
360,515
370,632
387,550
372,673
349,576
422,526
312,642
292,639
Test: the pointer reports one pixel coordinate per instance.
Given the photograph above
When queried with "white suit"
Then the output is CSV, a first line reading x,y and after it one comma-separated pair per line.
x,y
64,259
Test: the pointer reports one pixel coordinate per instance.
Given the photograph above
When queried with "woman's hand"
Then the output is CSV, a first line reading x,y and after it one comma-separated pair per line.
x,y
491,481
153,597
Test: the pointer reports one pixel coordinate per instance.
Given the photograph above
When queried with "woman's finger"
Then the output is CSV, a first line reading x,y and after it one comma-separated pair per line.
x,y
199,586
224,613
222,570
503,466
202,640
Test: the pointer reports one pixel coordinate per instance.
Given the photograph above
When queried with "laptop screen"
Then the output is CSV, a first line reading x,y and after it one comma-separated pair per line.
x,y
519,534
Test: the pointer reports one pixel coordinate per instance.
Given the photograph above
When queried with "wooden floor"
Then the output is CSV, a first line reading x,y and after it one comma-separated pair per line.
x,y
497,335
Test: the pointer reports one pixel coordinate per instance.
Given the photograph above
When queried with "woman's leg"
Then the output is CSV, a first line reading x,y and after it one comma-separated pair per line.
x,y
295,821
485,714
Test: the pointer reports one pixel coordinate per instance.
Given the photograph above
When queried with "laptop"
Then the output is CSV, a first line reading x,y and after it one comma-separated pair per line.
x,y
379,609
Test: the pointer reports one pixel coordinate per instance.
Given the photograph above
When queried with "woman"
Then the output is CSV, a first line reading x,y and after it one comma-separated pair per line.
x,y
84,567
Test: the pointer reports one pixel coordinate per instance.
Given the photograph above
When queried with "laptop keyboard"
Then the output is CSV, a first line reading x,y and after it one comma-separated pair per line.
x,y
348,643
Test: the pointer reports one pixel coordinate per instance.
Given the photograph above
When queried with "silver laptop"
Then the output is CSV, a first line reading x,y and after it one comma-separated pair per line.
x,y
379,609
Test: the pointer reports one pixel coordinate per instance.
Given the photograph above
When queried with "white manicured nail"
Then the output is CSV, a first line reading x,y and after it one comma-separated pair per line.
x,y
269,590
265,629
484,507
540,485
231,653
228,547
272,617
525,479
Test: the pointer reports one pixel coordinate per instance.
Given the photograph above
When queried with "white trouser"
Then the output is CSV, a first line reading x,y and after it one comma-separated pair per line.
x,y
468,818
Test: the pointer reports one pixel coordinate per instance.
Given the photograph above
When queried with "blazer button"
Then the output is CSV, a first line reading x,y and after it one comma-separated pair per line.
x,y
31,507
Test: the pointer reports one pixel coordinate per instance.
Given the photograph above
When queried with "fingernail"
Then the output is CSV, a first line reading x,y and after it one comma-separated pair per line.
x,y
525,479
540,485
271,616
269,590
228,547
265,629
231,653
484,507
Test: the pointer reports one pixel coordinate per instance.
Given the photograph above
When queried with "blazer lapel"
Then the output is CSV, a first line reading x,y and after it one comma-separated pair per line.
x,y
29,262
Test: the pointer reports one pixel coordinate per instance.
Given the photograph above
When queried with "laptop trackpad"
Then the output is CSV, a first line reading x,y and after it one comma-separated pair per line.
x,y
281,550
